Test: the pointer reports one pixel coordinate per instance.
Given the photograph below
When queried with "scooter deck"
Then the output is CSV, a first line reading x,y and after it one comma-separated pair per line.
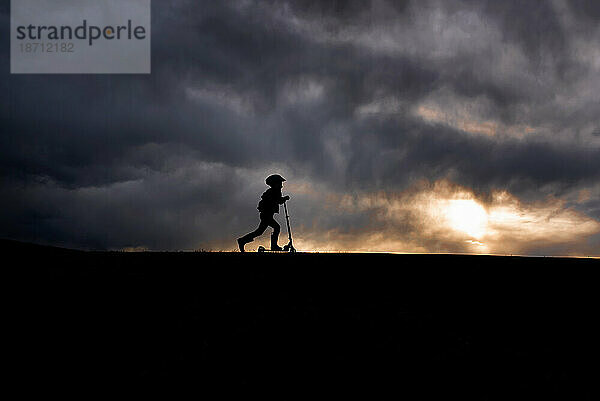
x,y
270,251
262,249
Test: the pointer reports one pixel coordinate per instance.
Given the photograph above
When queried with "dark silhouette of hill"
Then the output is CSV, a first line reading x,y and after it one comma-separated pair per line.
x,y
310,325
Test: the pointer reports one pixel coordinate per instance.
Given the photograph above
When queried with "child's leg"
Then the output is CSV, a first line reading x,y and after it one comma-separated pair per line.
x,y
275,234
262,226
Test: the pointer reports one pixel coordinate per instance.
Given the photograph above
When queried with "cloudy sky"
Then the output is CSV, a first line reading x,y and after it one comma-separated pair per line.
x,y
408,126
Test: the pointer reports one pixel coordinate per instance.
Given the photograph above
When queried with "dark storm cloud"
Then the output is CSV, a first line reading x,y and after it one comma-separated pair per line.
x,y
479,162
239,88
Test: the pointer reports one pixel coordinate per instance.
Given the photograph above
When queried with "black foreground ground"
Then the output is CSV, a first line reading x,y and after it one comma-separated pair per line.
x,y
385,326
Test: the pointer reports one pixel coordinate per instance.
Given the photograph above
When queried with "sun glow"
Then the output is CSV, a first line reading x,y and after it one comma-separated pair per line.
x,y
467,216
445,217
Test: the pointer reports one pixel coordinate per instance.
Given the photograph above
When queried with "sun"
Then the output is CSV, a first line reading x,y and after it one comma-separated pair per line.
x,y
467,216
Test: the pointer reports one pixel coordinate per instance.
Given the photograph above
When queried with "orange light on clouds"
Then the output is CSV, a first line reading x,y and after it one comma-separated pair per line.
x,y
462,119
445,217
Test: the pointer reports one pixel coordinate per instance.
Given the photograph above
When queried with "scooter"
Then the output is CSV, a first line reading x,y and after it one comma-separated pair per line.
x,y
286,248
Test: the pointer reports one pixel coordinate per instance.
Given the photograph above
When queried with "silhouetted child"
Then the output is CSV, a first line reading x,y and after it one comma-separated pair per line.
x,y
268,206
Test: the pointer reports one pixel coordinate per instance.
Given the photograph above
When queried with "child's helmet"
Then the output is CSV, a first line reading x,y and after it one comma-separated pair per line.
x,y
274,179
